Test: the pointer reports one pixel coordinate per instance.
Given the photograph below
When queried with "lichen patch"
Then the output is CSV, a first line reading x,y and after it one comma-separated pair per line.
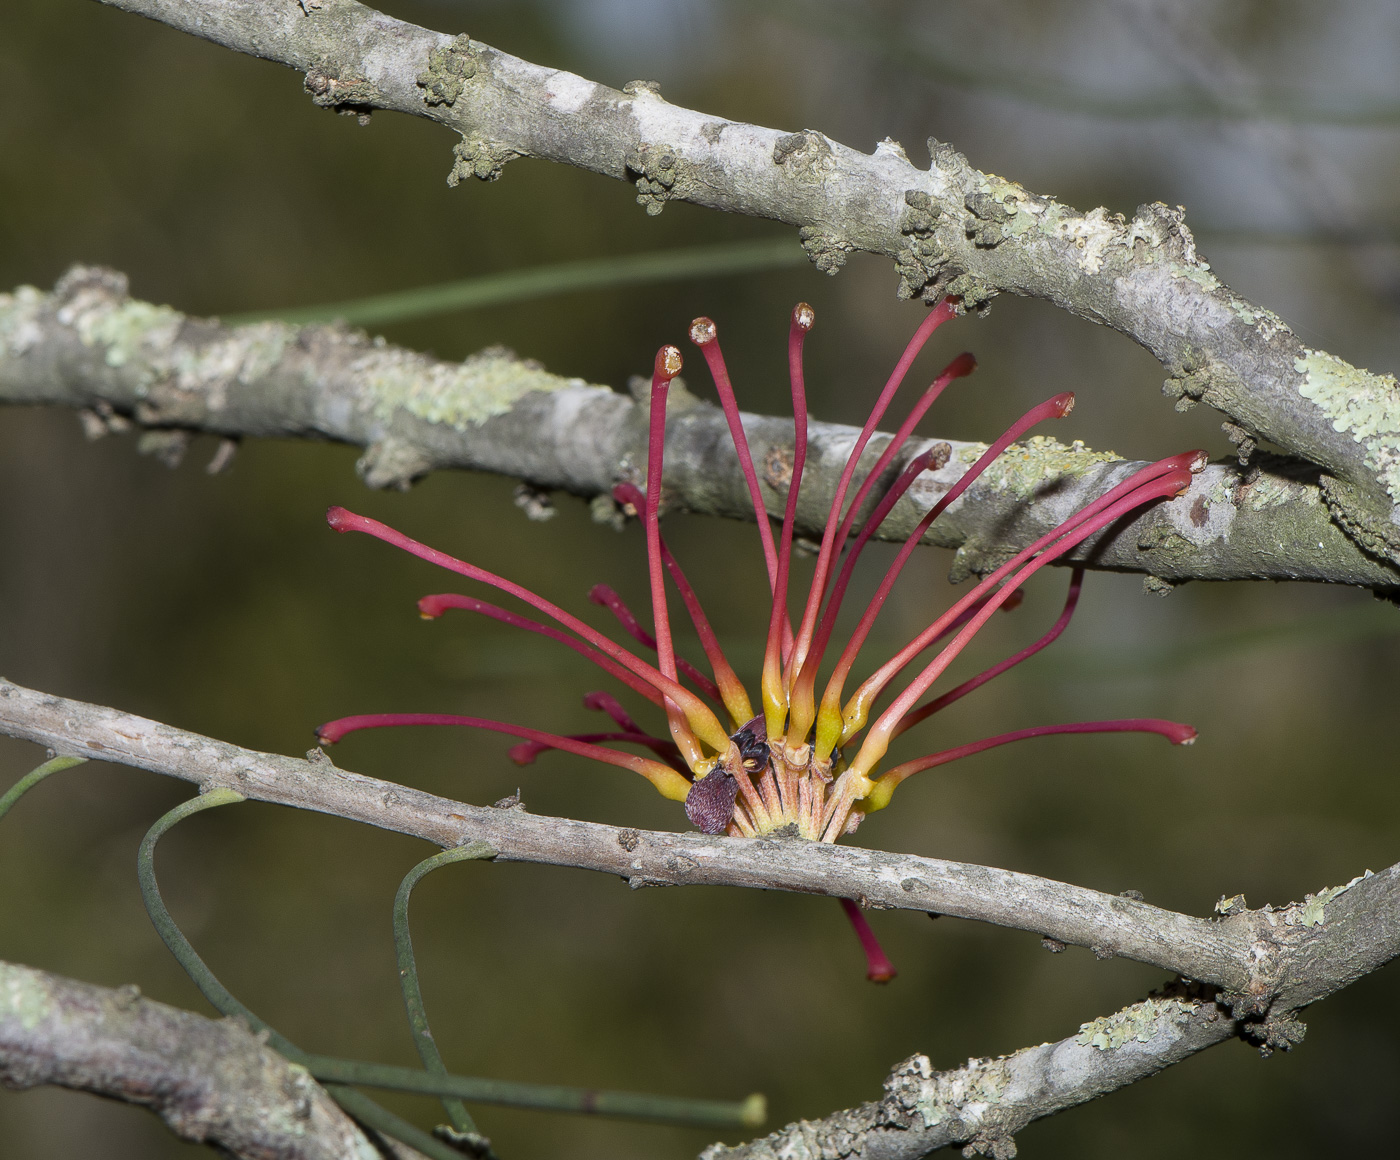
x,y
131,331
1092,234
1364,405
1139,1023
456,395
1313,910
19,320
1023,469
24,996
247,355
964,1093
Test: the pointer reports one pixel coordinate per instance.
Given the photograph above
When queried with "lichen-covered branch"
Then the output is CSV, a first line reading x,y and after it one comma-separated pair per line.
x,y
1254,954
1253,970
948,229
212,1082
984,1103
1305,952
121,361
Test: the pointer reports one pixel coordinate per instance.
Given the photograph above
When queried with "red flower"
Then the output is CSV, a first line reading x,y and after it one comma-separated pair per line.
x,y
803,761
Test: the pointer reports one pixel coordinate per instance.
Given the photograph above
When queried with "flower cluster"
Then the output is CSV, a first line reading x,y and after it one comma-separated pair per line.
x,y
807,761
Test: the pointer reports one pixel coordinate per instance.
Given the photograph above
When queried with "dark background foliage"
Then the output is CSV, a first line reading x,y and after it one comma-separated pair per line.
x,y
223,605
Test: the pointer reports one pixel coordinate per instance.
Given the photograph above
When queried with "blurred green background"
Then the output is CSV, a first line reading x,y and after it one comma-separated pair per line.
x,y
223,605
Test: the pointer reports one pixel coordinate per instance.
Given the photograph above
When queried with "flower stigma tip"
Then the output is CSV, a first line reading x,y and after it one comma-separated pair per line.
x,y
703,331
668,363
803,317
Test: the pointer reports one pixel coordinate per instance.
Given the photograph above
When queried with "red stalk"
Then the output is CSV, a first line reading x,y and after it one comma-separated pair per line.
x,y
705,335
878,737
960,367
603,595
857,708
804,682
671,784
732,691
704,722
829,719
925,711
778,646
805,685
603,702
526,752
431,607
878,968
886,784
667,367
936,318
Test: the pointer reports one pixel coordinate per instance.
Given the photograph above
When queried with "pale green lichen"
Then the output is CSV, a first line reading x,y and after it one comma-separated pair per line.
x,y
1015,213
1139,1023
19,325
1268,324
1023,468
1092,233
1313,910
1359,403
1197,272
456,395
246,355
24,996
964,1094
132,332
125,328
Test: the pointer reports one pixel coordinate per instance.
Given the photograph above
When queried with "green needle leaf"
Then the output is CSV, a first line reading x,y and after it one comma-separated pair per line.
x,y
435,1080
542,282
338,1073
544,1097
356,1104
33,778
408,975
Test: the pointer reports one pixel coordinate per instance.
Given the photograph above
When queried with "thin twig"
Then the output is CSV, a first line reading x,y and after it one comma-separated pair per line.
x,y
1260,966
1247,954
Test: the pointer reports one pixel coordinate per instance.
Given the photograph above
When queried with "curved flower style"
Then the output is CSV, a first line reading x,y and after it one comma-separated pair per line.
x,y
808,763
803,764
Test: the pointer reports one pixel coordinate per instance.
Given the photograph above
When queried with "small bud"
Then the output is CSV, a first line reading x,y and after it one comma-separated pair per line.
x,y
703,331
803,317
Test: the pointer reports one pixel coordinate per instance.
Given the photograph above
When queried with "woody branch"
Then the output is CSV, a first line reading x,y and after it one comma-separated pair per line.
x,y
121,362
949,229
213,1082
1252,970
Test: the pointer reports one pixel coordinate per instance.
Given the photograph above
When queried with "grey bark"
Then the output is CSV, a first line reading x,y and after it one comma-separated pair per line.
x,y
212,1082
122,361
1304,952
1256,954
1251,970
948,229
983,1104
